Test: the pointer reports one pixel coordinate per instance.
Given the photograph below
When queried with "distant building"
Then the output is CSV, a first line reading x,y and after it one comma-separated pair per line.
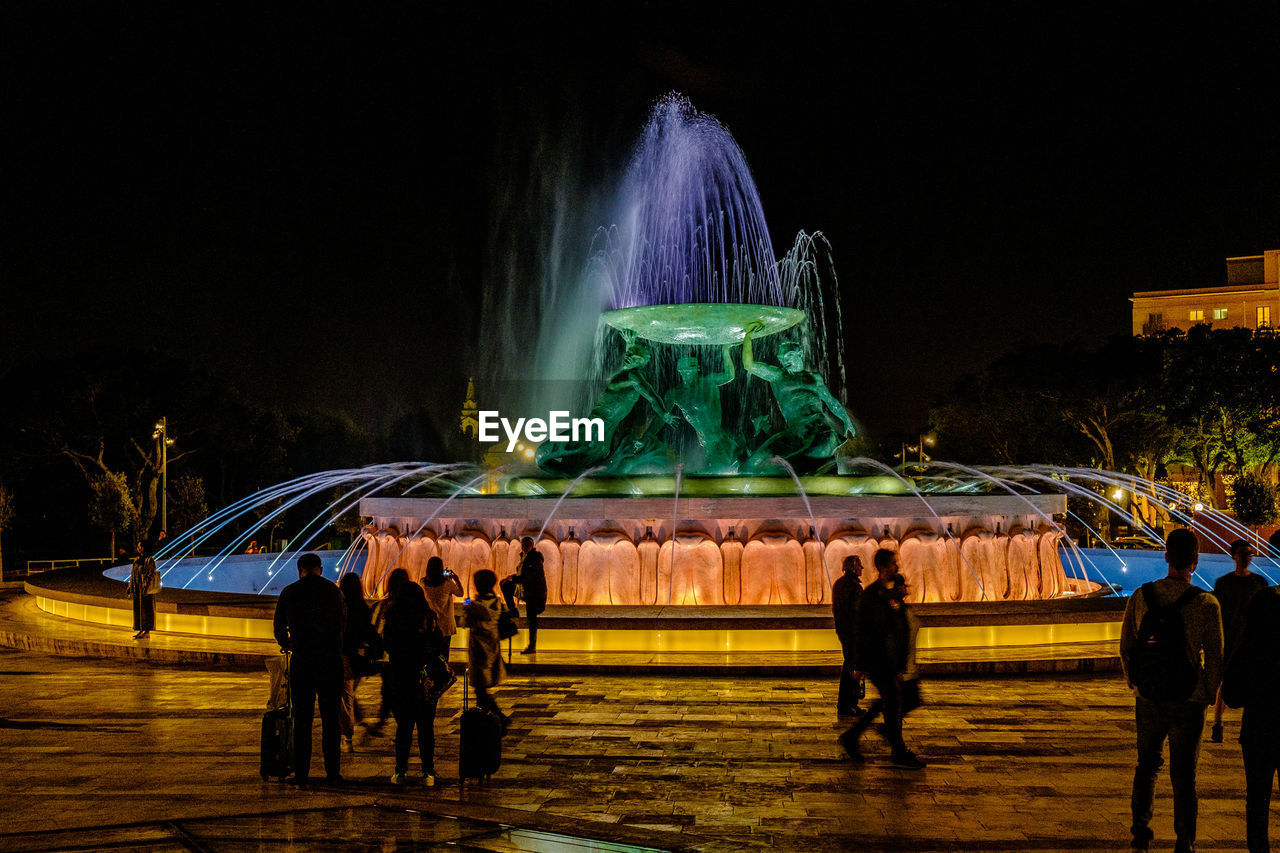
x,y
469,421
1250,299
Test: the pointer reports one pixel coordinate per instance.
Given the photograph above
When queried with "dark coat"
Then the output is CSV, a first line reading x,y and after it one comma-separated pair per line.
x,y
533,580
309,621
359,625
406,630
1252,674
845,594
883,647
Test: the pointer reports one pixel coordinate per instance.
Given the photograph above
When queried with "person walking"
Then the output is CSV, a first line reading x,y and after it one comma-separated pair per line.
x,y
308,622
883,652
845,594
530,583
1252,681
1233,591
1171,651
484,652
144,585
357,639
409,623
441,586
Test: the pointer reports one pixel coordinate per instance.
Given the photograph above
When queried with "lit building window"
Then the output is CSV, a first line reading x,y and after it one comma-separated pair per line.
x,y
1219,313
1197,315
1264,316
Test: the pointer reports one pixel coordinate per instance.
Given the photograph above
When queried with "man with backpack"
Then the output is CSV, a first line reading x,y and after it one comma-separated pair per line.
x,y
1171,649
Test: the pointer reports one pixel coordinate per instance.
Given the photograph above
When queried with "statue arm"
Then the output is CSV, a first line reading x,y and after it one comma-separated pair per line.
x,y
727,376
646,391
767,372
836,408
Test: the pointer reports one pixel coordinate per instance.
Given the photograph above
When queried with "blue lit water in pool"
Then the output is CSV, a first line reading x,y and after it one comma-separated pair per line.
x,y
1129,569
264,574
269,573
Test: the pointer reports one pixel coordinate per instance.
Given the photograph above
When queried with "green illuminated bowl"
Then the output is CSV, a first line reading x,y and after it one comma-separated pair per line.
x,y
702,323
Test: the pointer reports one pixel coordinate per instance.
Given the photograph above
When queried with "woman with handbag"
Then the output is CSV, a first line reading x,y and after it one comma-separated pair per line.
x,y
408,623
360,646
144,585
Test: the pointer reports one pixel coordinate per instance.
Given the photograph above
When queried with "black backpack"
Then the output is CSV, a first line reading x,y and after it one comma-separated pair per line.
x,y
1159,665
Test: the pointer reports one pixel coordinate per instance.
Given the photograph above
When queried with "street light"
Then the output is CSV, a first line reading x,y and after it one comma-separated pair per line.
x,y
161,435
918,447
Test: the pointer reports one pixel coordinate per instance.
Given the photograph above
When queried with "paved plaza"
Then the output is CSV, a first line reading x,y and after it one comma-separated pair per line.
x,y
677,762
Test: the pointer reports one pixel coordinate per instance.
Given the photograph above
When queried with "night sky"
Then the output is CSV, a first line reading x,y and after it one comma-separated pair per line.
x,y
311,198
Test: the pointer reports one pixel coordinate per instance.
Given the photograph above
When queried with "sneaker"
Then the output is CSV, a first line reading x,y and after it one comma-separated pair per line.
x,y
530,650
397,778
429,780
334,779
299,781
1216,735
849,741
908,761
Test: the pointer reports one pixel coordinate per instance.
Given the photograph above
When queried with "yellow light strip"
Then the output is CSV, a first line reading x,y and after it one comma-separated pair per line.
x,y
627,640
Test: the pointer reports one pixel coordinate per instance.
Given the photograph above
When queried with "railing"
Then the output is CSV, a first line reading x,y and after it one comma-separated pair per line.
x,y
37,566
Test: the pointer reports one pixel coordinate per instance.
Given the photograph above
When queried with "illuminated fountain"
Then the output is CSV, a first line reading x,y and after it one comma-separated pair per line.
x,y
728,472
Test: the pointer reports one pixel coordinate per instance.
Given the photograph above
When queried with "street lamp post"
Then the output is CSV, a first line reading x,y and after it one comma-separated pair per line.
x,y
917,448
161,435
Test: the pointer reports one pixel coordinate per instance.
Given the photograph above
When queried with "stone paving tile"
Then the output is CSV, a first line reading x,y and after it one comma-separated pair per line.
x,y
1039,764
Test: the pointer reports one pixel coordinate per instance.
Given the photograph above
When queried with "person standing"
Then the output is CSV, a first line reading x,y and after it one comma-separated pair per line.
x,y
1252,681
357,637
308,622
440,586
531,580
1171,651
883,652
409,622
845,594
484,652
1233,591
144,585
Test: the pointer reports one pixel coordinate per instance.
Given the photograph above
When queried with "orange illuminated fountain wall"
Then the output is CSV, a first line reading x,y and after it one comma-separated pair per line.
x,y
735,550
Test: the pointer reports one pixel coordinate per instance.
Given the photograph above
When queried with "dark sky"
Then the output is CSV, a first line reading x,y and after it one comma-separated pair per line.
x,y
312,198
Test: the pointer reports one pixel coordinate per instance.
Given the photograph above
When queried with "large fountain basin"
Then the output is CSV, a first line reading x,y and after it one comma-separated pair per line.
x,y
702,323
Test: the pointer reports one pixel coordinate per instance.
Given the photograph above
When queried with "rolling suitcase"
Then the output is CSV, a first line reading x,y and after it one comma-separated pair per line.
x,y
277,739
480,752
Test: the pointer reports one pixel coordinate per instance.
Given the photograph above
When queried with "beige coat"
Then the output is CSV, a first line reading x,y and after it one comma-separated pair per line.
x,y
484,652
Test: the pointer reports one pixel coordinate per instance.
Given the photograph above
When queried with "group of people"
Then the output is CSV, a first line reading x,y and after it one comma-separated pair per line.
x,y
877,634
1182,649
334,639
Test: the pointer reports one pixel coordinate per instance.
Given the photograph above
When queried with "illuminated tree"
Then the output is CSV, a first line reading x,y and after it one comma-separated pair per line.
x,y
111,506
1254,501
